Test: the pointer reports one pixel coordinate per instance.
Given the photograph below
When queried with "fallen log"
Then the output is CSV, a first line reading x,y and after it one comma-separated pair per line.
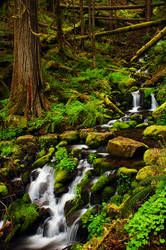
x,y
150,44
155,78
124,29
123,7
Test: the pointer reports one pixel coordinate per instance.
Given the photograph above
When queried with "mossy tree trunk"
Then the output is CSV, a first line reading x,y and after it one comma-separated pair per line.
x,y
27,96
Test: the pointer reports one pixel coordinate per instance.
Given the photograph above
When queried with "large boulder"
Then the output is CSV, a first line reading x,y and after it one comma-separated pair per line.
x,y
102,165
96,139
125,147
155,131
44,159
145,172
152,155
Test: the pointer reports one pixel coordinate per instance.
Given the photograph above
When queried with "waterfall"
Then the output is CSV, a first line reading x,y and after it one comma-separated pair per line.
x,y
54,233
154,103
136,101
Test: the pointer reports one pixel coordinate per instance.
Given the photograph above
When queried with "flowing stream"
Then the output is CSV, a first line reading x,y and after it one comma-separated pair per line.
x,y
55,234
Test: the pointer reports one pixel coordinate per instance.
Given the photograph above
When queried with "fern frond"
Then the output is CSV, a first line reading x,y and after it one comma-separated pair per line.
x,y
147,181
138,197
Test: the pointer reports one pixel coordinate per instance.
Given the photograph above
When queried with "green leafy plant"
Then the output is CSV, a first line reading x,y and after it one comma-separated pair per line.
x,y
149,219
124,183
64,160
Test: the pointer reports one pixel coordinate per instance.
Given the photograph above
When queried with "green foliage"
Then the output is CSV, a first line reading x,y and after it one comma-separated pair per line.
x,y
91,157
124,183
64,160
150,218
148,91
95,224
7,148
10,133
162,119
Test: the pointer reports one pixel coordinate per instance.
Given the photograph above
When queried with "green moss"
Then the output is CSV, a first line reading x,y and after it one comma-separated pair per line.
x,y
44,159
151,155
62,176
121,125
116,199
107,193
102,165
100,184
96,139
3,189
70,136
132,124
126,171
49,139
155,131
145,172
41,153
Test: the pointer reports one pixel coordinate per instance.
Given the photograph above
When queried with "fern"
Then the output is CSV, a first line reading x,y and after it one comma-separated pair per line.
x,y
151,179
137,198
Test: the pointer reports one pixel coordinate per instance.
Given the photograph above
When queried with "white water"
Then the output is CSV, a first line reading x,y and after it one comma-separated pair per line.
x,y
154,103
54,234
136,101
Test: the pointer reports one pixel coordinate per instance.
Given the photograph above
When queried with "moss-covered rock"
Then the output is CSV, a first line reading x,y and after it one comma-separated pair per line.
x,y
24,139
116,199
157,113
145,172
84,132
107,193
118,125
70,136
96,139
24,216
151,155
44,159
3,189
100,184
155,131
142,125
126,171
137,117
102,165
125,147
62,176
132,123
48,139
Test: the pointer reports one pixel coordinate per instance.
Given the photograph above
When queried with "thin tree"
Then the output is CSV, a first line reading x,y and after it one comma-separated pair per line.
x,y
27,90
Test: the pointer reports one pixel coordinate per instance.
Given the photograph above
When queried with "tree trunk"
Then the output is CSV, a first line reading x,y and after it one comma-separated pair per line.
x,y
26,88
111,15
58,14
148,12
82,22
93,34
149,44
125,29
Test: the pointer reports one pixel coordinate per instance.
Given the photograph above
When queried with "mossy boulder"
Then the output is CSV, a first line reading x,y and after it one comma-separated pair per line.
x,y
70,136
84,132
24,215
48,139
155,131
126,171
62,176
118,125
102,165
116,199
3,189
153,154
132,123
158,113
96,139
145,172
137,117
24,139
125,148
44,159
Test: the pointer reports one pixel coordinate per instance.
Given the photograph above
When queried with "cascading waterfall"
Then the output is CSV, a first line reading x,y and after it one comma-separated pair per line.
x,y
154,103
136,101
54,233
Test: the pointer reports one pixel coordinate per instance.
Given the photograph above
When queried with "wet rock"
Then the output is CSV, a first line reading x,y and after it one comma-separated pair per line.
x,y
125,147
70,136
44,159
107,193
96,139
84,132
24,139
102,165
118,125
142,125
153,154
126,171
155,131
48,139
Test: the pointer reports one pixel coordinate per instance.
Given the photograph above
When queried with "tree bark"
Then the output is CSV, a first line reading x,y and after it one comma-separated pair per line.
x,y
148,45
58,14
27,96
82,22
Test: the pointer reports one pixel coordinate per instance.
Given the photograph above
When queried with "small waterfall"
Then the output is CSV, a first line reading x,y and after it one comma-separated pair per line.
x,y
54,232
154,103
136,101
